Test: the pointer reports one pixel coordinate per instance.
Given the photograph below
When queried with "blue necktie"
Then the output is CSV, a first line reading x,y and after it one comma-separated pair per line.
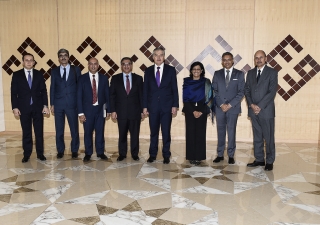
x,y
30,83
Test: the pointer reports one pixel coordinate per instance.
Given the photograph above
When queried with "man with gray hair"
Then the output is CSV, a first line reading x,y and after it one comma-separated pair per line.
x,y
63,100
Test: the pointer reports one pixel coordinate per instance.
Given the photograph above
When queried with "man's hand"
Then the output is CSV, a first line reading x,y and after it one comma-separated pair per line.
x,y
108,115
16,112
145,112
114,115
46,111
174,111
256,109
52,109
82,118
142,116
225,107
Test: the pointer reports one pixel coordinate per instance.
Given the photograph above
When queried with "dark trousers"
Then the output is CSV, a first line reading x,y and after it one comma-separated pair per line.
x,y
59,119
133,126
26,121
263,130
94,122
159,119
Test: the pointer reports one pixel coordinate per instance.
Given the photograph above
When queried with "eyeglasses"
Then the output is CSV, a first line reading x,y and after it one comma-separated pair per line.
x,y
63,56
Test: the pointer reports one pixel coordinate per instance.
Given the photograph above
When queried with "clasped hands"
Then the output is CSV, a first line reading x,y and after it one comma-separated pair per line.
x,y
256,109
225,107
174,111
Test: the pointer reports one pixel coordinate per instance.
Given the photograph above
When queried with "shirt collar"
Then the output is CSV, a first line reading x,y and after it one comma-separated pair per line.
x,y
67,66
261,69
161,66
26,70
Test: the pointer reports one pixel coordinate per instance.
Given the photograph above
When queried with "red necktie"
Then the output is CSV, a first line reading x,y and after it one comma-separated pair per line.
x,y
128,85
94,90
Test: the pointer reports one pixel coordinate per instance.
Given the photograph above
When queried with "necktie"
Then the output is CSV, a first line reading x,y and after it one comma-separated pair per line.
x,y
228,78
258,77
158,76
94,90
30,84
128,85
64,74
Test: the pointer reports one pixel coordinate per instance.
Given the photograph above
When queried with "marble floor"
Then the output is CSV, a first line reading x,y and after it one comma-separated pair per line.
x,y
70,192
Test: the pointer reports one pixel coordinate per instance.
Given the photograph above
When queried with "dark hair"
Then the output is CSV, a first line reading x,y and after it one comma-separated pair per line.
x,y
63,51
159,48
27,54
126,58
227,53
197,64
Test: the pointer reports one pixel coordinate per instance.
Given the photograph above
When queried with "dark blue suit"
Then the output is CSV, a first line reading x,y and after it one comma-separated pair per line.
x,y
227,121
94,114
159,102
63,96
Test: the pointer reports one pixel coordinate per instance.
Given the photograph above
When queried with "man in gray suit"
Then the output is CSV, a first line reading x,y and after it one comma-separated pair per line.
x,y
260,91
228,85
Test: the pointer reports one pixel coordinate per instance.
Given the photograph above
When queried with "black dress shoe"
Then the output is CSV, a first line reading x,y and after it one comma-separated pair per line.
x,y
151,159
25,159
121,157
218,159
86,158
166,160
255,163
197,162
60,155
192,161
42,157
135,158
102,156
231,160
268,167
74,155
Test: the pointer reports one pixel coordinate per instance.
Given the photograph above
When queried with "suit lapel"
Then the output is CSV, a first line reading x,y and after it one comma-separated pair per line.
x,y
24,79
134,80
163,77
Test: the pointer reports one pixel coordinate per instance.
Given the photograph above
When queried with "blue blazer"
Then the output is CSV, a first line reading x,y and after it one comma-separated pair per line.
x,y
63,94
166,95
232,94
84,94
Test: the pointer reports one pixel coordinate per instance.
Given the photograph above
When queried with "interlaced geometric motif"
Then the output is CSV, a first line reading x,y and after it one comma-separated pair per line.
x,y
305,76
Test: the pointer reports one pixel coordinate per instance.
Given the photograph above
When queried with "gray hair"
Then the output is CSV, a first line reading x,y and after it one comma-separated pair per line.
x,y
62,50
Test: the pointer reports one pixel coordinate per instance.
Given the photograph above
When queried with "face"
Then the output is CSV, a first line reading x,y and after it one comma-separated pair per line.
x,y
126,66
63,58
260,59
28,62
93,65
196,72
158,57
227,61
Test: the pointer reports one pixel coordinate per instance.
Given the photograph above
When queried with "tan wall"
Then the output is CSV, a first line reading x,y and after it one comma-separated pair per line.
x,y
185,28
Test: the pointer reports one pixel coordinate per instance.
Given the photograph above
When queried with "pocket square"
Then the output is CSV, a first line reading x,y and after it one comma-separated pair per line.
x,y
234,79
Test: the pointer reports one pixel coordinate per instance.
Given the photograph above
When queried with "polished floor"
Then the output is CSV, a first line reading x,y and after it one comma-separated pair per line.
x,y
70,192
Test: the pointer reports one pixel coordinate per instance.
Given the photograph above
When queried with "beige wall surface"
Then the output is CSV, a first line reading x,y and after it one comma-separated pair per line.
x,y
190,30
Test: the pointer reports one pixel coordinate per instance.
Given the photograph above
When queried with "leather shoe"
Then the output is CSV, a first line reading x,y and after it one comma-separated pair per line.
x,y
42,157
151,159
255,163
231,160
102,156
60,155
166,160
218,159
74,155
268,167
25,159
86,158
135,158
121,157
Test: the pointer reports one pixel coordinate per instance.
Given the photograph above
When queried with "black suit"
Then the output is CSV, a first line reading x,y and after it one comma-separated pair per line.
x,y
30,114
128,108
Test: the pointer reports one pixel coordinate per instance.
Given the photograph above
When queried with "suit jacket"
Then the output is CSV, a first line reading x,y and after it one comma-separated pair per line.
x,y
232,94
21,92
63,94
84,94
166,95
263,92
126,106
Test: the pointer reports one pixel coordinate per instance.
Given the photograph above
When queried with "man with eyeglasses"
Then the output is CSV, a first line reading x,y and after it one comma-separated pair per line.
x,y
29,101
126,107
228,85
63,100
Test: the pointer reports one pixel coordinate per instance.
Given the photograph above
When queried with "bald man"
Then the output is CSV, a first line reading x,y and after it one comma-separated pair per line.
x,y
92,95
260,91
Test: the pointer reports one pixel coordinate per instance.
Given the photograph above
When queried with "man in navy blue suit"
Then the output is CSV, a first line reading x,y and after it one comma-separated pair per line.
x,y
93,98
29,101
63,94
160,102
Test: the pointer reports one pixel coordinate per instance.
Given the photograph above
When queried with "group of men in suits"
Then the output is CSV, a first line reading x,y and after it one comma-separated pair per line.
x,y
131,99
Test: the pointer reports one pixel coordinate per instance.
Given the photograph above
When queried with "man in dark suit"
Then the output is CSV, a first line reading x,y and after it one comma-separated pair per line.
x,y
63,93
260,91
93,98
29,101
228,85
160,102
126,107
